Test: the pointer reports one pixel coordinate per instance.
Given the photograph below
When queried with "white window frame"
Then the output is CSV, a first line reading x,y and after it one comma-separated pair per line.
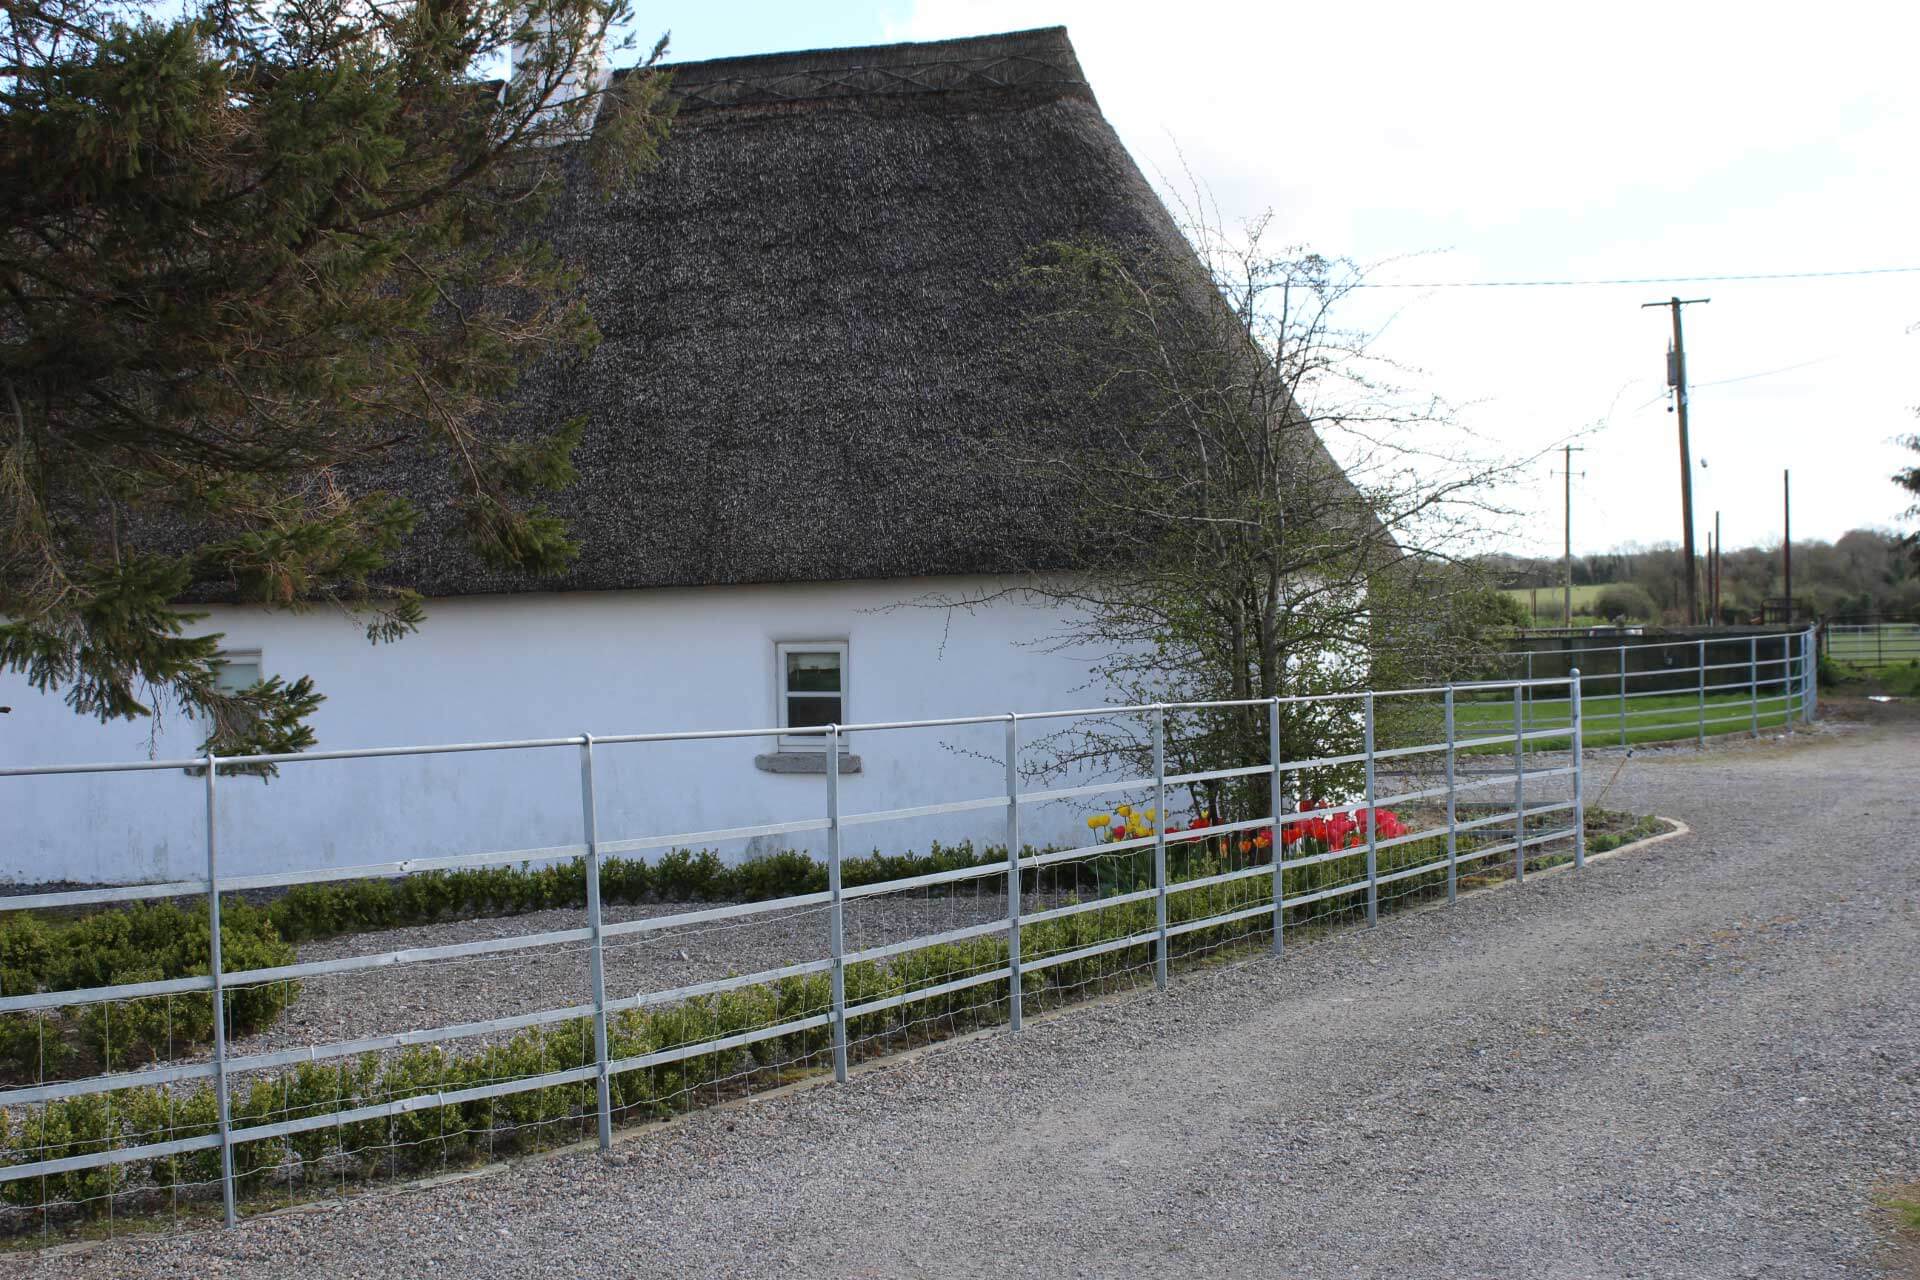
x,y
228,657
781,648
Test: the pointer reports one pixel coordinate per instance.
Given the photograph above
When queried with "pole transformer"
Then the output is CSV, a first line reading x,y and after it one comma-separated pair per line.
x,y
1677,379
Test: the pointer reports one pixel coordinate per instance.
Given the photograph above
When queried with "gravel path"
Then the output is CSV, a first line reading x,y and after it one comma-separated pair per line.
x,y
397,998
1694,1060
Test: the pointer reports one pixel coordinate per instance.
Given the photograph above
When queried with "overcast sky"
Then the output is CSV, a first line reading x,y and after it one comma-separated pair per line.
x,y
1526,142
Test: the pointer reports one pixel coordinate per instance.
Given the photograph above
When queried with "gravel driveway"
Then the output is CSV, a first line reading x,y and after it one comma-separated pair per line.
x,y
1694,1060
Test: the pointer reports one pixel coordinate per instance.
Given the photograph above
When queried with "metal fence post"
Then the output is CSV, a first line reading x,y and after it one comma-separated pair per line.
x,y
1797,674
1623,695
1813,686
596,954
1810,660
1753,681
1373,828
1529,694
1808,672
1789,682
836,922
1275,799
1803,673
1579,791
1013,872
1700,737
1811,664
1805,668
222,1103
1160,846
1453,852
1519,790
1815,674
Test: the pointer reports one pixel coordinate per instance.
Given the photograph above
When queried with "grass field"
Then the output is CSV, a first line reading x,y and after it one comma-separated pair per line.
x,y
1549,597
1550,601
1660,718
1902,679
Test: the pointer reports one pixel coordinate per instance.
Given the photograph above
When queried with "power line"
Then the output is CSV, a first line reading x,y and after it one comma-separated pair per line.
x,y
1851,353
1764,373
1634,280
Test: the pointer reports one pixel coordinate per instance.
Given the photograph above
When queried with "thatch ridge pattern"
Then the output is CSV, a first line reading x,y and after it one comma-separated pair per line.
x,y
810,356
1038,59
927,77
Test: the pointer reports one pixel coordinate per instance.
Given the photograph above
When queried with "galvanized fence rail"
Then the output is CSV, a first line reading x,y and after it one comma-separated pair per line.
x,y
1455,839
1760,682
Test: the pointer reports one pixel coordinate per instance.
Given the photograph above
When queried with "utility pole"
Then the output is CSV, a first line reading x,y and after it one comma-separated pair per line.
x,y
1709,590
1567,565
1718,563
1786,540
1677,379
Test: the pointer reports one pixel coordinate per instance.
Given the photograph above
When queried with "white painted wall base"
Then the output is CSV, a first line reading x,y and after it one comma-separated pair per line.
x,y
523,666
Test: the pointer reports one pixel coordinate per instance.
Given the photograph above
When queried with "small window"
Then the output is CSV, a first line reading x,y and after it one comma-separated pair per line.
x,y
813,690
237,671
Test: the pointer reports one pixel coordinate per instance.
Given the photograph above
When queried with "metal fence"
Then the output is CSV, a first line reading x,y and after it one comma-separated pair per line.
x,y
1876,644
1663,691
1440,788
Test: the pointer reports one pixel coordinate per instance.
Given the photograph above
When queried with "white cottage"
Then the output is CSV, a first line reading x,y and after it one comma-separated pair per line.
x,y
805,334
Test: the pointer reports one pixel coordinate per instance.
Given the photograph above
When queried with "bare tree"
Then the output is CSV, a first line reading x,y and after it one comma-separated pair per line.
x,y
1265,510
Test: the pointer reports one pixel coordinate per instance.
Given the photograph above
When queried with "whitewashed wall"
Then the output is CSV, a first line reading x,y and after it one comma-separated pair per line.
x,y
506,667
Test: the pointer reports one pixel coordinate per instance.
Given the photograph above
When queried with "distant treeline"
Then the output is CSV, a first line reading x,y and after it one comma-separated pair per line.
x,y
1865,572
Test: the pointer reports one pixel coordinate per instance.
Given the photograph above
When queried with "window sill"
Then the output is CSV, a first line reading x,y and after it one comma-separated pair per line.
x,y
803,762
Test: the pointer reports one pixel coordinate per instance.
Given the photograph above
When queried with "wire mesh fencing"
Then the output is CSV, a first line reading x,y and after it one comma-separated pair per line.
x,y
185,1062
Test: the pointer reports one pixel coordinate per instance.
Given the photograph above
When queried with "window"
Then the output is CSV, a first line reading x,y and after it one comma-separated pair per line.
x,y
236,671
812,690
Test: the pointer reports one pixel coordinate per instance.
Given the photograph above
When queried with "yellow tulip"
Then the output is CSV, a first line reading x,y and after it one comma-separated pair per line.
x,y
1098,821
1125,811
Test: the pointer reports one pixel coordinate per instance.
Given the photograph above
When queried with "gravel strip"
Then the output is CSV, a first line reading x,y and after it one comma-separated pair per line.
x,y
396,998
1695,1060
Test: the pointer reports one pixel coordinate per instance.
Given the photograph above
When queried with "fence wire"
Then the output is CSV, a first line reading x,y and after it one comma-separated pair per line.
x,y
405,1053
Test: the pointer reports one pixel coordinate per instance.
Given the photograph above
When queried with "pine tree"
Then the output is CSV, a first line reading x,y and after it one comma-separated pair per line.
x,y
244,250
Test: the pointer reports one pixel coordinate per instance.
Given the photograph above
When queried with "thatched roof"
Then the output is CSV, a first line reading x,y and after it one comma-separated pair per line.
x,y
805,327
